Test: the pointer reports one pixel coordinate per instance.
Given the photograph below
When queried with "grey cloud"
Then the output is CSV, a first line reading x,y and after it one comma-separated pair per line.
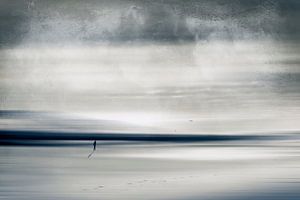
x,y
44,21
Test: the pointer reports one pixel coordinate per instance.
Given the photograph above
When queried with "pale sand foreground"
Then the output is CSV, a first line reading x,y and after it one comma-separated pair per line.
x,y
219,170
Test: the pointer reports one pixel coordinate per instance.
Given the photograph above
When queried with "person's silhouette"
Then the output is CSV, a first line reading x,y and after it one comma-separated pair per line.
x,y
95,143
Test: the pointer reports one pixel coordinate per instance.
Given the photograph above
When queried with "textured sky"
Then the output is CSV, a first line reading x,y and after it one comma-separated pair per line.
x,y
43,21
186,66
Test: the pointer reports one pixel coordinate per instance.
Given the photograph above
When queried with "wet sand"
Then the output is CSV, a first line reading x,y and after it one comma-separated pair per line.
x,y
214,170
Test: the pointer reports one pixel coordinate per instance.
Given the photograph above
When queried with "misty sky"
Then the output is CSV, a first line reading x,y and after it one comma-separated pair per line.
x,y
186,66
44,21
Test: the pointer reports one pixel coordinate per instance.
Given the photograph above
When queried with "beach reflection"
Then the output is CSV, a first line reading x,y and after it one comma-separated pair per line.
x,y
215,170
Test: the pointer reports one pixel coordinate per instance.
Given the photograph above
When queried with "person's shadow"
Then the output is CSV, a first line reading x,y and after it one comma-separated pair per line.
x,y
94,149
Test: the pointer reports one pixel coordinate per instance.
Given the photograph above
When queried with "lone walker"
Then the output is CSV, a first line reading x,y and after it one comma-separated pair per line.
x,y
95,144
